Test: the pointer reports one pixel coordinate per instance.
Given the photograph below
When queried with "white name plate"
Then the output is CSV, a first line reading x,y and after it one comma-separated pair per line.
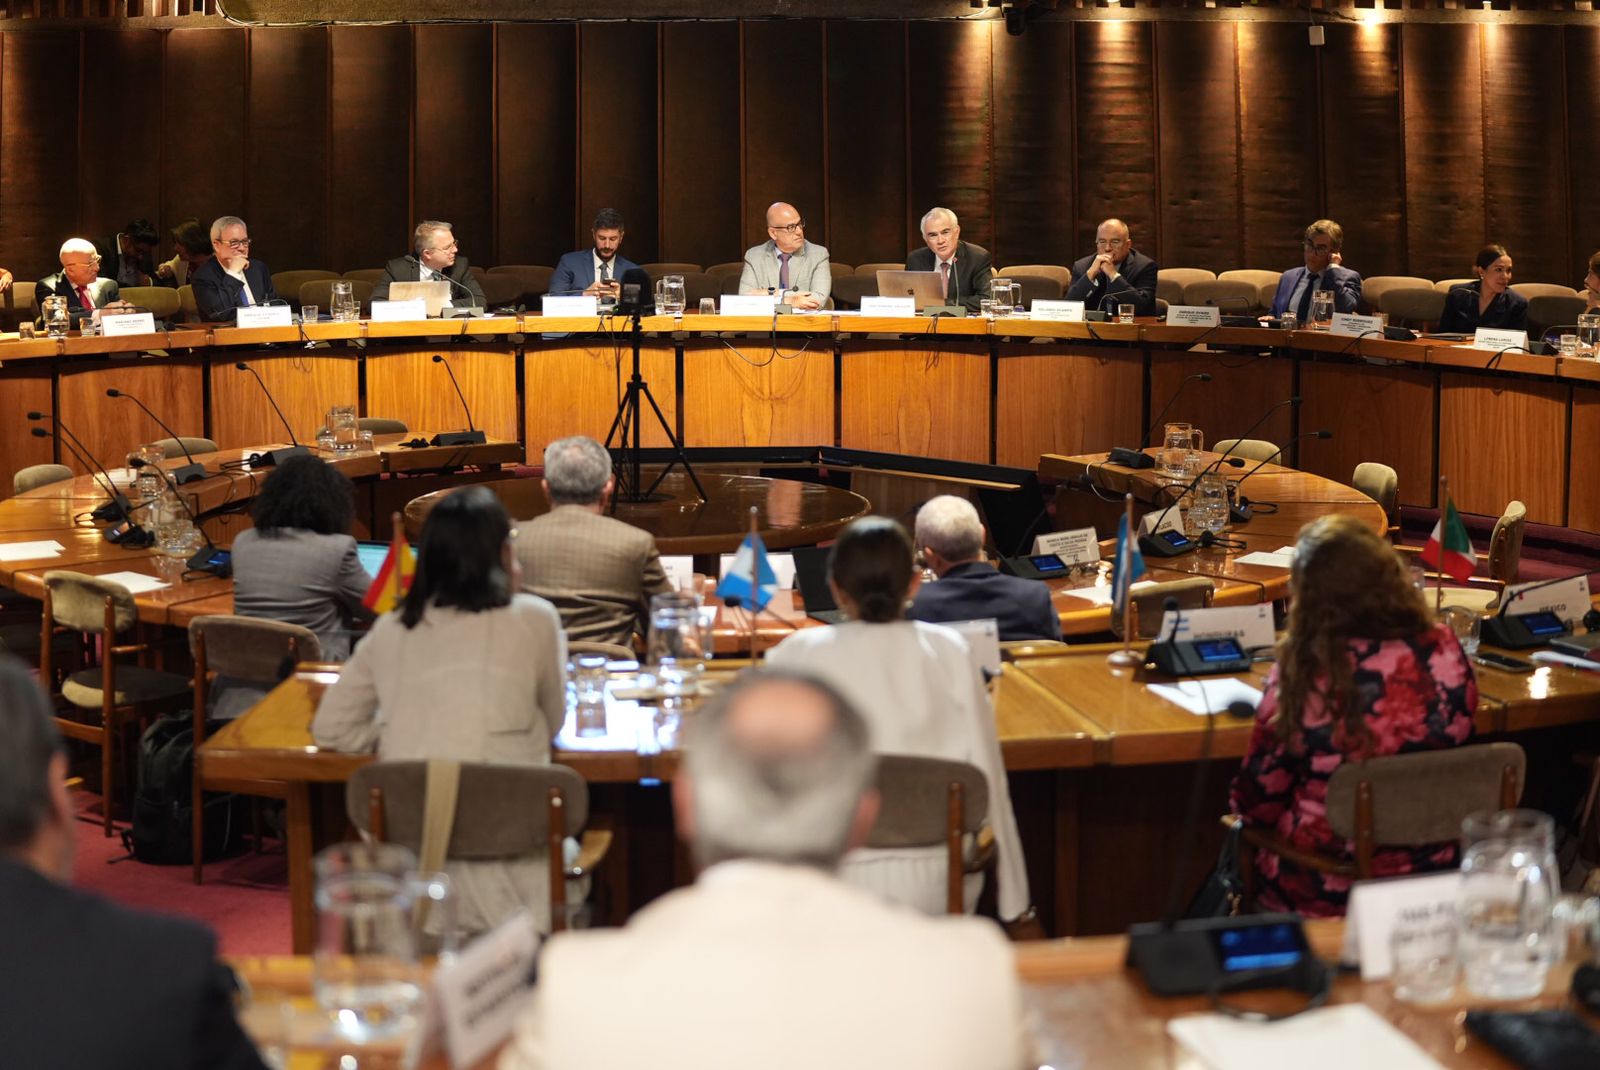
x,y
782,567
392,311
581,306
1167,519
888,306
1351,325
481,991
1497,340
1376,907
1568,599
1076,547
1060,311
113,324
1250,625
265,316
1194,316
679,569
983,640
748,305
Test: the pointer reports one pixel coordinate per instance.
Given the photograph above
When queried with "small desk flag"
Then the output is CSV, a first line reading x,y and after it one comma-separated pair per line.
x,y
1126,566
394,575
750,560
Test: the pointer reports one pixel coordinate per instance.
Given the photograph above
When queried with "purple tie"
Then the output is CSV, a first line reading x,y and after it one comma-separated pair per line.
x,y
783,270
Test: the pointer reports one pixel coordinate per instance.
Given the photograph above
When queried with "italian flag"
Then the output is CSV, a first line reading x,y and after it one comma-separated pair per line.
x,y
1448,549
394,576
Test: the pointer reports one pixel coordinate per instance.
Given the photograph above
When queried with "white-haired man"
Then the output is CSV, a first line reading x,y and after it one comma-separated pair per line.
x,y
962,266
950,537
78,281
597,571
230,280
436,257
770,960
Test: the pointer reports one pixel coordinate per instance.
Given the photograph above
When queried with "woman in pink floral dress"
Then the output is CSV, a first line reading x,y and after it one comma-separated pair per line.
x,y
1363,671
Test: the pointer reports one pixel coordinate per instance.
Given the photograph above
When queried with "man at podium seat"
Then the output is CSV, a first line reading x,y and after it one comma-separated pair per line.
x,y
796,271
1114,274
436,258
950,538
963,268
230,280
597,271
1322,271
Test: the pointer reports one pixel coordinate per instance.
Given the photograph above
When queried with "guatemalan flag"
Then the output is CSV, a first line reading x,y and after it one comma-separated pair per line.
x,y
1127,566
734,590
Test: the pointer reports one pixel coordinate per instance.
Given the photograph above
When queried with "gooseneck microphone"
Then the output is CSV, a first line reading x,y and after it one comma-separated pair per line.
x,y
272,457
118,508
1240,509
1136,457
471,436
123,529
184,474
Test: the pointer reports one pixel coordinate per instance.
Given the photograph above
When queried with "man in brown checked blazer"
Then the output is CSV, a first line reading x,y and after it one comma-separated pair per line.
x,y
597,571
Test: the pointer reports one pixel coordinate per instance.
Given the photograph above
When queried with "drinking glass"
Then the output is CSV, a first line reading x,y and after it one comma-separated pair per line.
x,y
1288,321
1423,952
342,306
346,429
147,482
24,331
1509,885
1567,345
1125,313
1209,512
708,306
308,314
1589,333
56,319
986,308
670,295
1321,310
1467,625
676,646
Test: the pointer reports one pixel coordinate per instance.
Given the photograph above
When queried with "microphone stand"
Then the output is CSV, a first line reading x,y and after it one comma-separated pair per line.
x,y
187,473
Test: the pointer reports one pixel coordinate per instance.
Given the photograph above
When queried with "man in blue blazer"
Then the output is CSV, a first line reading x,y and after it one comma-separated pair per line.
x,y
1323,240
594,272
950,539
230,280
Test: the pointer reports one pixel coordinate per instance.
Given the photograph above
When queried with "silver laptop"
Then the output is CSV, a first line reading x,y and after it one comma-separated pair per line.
x,y
922,286
435,295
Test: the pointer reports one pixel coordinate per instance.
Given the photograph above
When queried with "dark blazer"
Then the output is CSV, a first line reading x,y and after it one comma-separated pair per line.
x,y
977,591
1135,284
111,260
1508,312
575,272
102,292
1345,284
155,995
218,294
409,269
970,283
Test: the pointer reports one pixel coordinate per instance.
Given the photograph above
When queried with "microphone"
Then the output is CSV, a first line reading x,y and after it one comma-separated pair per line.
x,y
471,297
635,296
118,508
1137,458
123,530
185,474
1240,508
272,457
471,436
1511,630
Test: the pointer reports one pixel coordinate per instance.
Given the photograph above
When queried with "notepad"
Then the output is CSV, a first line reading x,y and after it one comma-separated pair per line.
x,y
135,582
1207,696
30,551
1282,557
1332,1038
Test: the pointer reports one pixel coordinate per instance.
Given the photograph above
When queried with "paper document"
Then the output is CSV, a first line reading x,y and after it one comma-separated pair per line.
x,y
1101,595
1332,1038
136,582
28,551
1206,696
1282,557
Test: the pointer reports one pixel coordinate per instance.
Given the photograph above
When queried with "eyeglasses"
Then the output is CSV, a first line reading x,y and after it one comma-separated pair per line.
x,y
235,243
1313,246
791,228
90,262
452,247
1110,243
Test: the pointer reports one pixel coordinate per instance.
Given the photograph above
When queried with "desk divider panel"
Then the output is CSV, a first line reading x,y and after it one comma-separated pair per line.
x,y
747,391
304,384
111,428
1501,438
405,384
1054,399
922,398
27,386
1375,414
572,386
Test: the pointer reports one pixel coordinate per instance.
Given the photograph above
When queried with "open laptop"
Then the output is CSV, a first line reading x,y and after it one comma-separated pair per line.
x,y
921,286
435,295
811,573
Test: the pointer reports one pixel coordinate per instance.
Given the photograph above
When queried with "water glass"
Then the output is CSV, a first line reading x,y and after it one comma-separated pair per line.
x,y
1209,511
1510,936
1125,313
708,306
24,331
342,305
1589,333
986,308
1467,625
345,427
1423,951
1288,321
676,649
57,321
308,314
1321,310
589,678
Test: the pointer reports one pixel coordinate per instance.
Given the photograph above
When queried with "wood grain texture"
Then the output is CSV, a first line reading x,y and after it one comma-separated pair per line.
x,y
949,144
869,220
1365,169
700,218
1583,504
785,72
1116,125
204,129
1280,156
1502,439
536,108
570,388
618,92
404,384
757,396
1199,145
1583,153
287,152
1442,96
1032,144
453,162
304,386
24,387
38,148
121,70
1045,402
1238,394
111,428
911,398
370,201
1375,414
1525,151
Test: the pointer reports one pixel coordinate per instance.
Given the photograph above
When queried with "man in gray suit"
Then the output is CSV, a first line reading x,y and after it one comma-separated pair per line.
x,y
78,281
596,570
787,265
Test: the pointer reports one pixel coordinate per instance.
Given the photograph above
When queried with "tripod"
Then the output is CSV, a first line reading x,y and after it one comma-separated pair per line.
x,y
630,420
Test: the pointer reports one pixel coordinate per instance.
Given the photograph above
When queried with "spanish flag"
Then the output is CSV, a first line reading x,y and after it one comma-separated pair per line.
x,y
394,576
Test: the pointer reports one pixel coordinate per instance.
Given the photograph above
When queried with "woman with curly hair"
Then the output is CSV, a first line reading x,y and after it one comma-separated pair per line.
x,y
1363,671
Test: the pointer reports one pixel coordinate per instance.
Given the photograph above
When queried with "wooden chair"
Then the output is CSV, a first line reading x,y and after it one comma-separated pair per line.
x,y
370,276
667,267
119,694
1530,290
1061,275
1408,307
736,268
1251,449
1504,562
174,447
186,303
1176,278
699,284
535,279
871,270
162,301
1373,289
1444,286
848,291
250,651
1147,605
838,270
288,283
500,290
1382,484
1231,295
932,801
16,305
1265,282
1399,800
38,475
1546,312
1031,288
502,812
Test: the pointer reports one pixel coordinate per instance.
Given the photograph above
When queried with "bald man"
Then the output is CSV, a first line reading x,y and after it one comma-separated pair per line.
x,y
786,265
1115,274
79,282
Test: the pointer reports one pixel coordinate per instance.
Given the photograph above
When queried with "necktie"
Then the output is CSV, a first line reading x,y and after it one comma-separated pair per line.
x,y
83,298
783,270
1305,299
944,278
605,271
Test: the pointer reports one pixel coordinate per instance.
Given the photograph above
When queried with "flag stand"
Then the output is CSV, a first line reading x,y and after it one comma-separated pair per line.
x,y
1124,658
755,589
1438,585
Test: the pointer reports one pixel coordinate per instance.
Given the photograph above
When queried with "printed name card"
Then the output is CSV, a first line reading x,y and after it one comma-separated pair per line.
x,y
1159,520
1497,340
1376,907
888,306
483,988
393,311
265,316
782,567
679,569
1568,599
581,306
748,305
114,324
1353,326
1061,311
1250,625
1077,547
983,641
1194,316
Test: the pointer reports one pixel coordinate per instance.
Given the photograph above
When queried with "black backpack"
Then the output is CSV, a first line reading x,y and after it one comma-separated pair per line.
x,y
163,810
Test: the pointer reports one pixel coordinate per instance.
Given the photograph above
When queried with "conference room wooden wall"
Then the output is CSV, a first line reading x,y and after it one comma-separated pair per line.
x,y
1217,141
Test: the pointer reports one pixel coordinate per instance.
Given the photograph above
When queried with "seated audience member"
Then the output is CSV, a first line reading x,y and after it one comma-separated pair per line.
x,y
230,280
598,572
298,564
596,271
920,692
191,249
1323,241
964,268
78,281
1489,302
5,280
470,670
1115,274
436,258
796,271
1590,293
129,256
160,1000
969,588
768,960
1363,671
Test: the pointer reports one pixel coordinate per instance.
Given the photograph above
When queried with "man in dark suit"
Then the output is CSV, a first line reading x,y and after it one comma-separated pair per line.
x,y
230,280
129,256
437,257
950,538
963,267
155,995
1115,274
1322,271
594,272
78,281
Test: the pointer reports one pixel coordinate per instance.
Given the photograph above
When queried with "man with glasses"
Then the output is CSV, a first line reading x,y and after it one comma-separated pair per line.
x,y
437,259
963,268
1116,274
794,270
1323,271
231,280
79,282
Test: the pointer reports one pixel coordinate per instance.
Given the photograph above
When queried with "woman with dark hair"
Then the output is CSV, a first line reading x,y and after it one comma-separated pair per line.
x,y
191,248
1591,286
468,669
921,693
299,564
1489,302
1363,671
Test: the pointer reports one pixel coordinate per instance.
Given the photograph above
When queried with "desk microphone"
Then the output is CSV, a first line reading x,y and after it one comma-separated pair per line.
x,y
471,436
184,474
1137,458
202,560
445,275
1240,509
1511,631
269,458
123,530
118,508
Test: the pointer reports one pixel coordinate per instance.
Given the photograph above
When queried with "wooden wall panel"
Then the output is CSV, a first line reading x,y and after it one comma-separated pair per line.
x,y
110,428
1362,141
287,150
1443,101
38,149
370,201
617,152
24,386
1196,92
1525,152
1032,143
1375,415
1477,411
203,152
305,386
1583,152
1031,417
575,389
404,384
1583,504
869,217
949,150
120,130
1226,407
453,163
536,112
700,214
1279,152
785,116
1116,123
757,397
903,398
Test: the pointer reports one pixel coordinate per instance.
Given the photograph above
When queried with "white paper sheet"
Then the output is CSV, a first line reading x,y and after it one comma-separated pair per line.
x,y
29,551
1332,1038
1206,696
136,582
1100,595
1282,557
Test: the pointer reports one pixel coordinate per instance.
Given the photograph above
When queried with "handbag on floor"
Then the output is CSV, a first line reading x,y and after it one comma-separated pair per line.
x,y
163,810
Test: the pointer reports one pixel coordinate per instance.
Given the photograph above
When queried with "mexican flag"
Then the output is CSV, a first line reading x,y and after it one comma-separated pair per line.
x,y
1448,549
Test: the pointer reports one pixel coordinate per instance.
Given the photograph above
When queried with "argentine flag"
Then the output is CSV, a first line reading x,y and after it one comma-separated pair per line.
x,y
734,590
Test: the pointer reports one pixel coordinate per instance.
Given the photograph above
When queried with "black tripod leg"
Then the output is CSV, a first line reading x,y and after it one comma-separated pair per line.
x,y
677,448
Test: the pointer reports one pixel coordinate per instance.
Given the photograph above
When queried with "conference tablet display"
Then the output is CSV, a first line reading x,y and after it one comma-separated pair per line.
x,y
373,553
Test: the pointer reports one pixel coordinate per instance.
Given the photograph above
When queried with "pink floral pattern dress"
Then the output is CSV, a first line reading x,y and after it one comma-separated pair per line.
x,y
1419,694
